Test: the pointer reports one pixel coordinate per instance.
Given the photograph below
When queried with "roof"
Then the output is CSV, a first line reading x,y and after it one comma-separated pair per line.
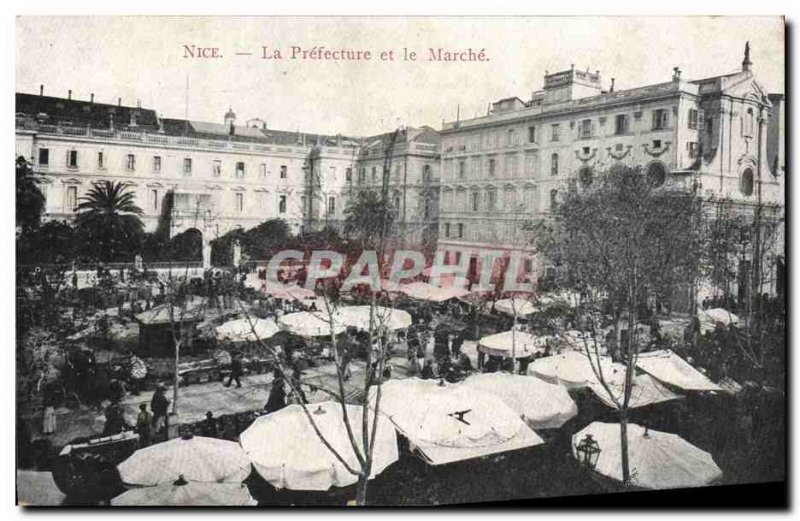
x,y
81,113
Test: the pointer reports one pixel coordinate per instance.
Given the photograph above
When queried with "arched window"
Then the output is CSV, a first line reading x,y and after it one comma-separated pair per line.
x,y
747,182
554,164
656,174
585,176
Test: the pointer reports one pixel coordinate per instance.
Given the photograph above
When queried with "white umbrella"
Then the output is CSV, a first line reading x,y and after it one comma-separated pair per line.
x,y
182,493
452,422
671,369
521,343
709,318
288,292
657,460
510,306
646,390
573,369
425,291
359,316
247,330
542,405
196,458
310,323
287,452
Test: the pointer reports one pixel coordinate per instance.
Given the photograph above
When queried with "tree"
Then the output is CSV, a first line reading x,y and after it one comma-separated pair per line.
x,y
53,242
109,222
368,218
262,241
624,247
30,200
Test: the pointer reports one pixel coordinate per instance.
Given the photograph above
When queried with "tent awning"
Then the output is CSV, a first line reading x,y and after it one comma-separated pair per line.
x,y
673,370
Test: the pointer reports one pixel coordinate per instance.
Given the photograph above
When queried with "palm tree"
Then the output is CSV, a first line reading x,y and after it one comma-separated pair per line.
x,y
30,200
108,221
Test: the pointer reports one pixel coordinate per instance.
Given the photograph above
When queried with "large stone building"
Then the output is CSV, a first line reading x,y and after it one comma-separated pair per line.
x,y
721,134
211,177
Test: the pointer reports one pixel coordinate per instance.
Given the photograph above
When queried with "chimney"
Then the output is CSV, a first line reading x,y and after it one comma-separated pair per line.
x,y
612,85
91,97
119,102
41,90
676,74
69,94
264,126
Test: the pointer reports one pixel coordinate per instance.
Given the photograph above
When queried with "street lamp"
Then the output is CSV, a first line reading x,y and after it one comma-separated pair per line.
x,y
588,451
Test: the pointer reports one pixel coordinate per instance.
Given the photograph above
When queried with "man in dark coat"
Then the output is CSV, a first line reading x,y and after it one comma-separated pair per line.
x,y
236,371
277,394
159,405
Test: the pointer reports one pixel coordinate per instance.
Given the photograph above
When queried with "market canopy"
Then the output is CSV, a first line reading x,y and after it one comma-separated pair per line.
x,y
288,291
247,330
518,344
673,370
518,307
658,460
288,453
186,494
646,390
196,458
710,318
574,369
359,317
445,423
310,323
425,291
540,404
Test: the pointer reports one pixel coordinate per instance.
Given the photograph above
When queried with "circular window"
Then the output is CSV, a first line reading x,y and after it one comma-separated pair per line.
x,y
585,176
747,182
656,174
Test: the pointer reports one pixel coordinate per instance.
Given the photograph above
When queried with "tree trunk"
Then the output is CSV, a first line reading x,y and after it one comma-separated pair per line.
x,y
623,438
361,490
176,377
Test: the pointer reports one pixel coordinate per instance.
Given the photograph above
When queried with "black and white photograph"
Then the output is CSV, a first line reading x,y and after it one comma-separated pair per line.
x,y
389,261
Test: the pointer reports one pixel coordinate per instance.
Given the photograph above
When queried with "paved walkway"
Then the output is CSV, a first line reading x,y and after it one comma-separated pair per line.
x,y
196,399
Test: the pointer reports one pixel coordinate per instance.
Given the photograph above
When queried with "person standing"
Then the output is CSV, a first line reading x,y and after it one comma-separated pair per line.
x,y
49,419
236,370
277,394
159,406
144,425
209,426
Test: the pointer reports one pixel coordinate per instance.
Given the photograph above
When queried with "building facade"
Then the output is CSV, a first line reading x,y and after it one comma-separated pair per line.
x,y
719,135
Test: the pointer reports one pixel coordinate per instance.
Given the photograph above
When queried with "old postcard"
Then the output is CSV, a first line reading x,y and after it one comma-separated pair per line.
x,y
292,261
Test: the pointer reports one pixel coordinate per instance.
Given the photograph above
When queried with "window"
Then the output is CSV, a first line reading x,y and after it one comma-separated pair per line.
x,y
216,168
585,176
747,182
303,204
130,163
460,230
262,170
748,123
154,199
100,162
239,202
72,158
44,156
72,198
475,201
240,169
554,132
362,175
492,167
656,174
693,118
621,124
187,165
660,119
554,164
282,204
692,146
491,199
374,174
531,134
461,169
331,205
447,229
156,163
348,174
284,170
553,200
656,143
585,128
426,174
510,138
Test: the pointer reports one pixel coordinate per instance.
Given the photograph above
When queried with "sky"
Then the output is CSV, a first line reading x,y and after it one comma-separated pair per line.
x,y
143,58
